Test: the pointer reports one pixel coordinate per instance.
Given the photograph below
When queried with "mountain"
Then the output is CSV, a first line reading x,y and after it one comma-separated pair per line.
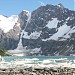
x,y
48,30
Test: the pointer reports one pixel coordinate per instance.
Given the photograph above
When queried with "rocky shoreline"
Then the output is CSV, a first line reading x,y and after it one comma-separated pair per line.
x,y
38,71
36,67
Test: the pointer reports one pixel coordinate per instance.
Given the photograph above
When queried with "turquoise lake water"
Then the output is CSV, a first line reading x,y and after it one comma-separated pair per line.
x,y
10,58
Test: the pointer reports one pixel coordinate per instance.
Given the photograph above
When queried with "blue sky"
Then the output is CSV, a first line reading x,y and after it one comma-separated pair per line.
x,y
10,7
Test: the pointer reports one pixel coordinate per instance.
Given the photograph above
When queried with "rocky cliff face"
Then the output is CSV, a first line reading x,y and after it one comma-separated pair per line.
x,y
49,30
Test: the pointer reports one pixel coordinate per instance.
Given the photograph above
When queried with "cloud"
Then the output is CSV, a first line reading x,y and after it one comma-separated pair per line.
x,y
42,3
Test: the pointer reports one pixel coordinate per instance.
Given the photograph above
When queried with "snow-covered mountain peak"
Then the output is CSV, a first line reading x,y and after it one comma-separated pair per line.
x,y
7,23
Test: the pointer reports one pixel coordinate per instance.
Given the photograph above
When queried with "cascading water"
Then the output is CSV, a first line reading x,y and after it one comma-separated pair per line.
x,y
20,46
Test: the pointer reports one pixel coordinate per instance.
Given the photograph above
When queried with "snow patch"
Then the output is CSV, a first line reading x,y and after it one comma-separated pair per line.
x,y
35,50
61,31
26,11
70,32
45,39
24,51
16,52
68,18
64,29
53,23
25,35
19,54
33,35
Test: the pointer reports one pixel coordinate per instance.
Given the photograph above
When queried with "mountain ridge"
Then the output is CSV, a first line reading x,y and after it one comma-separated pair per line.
x,y
48,30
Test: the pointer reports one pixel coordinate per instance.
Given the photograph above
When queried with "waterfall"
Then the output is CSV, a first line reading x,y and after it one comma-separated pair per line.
x,y
20,46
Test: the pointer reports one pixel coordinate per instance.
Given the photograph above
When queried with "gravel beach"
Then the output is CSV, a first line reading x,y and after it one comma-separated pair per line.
x,y
38,70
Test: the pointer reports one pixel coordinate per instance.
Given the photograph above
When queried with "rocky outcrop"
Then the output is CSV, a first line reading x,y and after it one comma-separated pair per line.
x,y
9,40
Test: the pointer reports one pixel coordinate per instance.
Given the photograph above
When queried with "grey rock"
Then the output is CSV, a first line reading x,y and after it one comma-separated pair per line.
x,y
37,23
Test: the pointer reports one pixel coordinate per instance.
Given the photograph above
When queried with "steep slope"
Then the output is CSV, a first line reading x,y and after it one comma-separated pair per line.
x,y
48,30
9,31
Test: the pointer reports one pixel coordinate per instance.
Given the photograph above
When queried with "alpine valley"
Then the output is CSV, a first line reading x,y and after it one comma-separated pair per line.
x,y
48,30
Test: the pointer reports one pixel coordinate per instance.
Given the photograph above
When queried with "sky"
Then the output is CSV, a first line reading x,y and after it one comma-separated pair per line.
x,y
14,7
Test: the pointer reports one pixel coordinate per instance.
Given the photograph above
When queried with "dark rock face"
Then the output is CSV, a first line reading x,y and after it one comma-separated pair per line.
x,y
23,16
9,40
50,28
63,45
